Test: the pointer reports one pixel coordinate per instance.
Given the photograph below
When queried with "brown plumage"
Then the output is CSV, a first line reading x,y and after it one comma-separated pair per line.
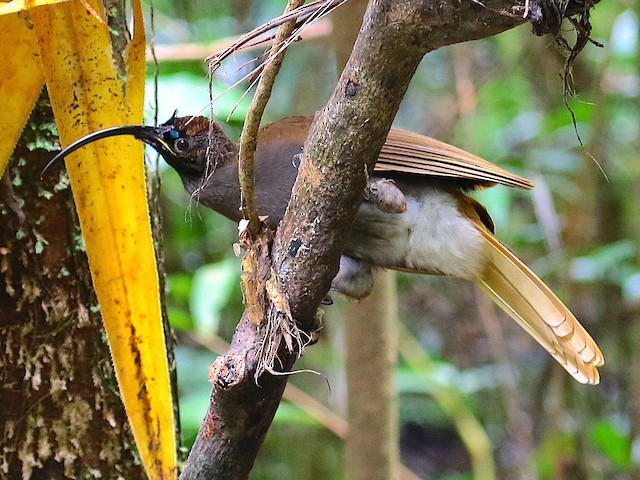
x,y
408,152
416,218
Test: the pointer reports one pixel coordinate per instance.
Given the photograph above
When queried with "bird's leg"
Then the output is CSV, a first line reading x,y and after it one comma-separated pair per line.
x,y
385,195
354,279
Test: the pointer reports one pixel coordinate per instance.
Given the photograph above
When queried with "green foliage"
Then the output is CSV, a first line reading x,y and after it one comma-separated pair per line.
x,y
190,86
322,458
613,442
615,264
212,288
556,448
194,388
178,292
517,119
442,374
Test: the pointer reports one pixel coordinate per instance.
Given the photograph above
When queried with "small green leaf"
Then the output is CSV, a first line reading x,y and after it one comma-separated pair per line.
x,y
212,288
609,438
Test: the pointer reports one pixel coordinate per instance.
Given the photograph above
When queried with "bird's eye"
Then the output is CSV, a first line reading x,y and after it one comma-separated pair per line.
x,y
181,145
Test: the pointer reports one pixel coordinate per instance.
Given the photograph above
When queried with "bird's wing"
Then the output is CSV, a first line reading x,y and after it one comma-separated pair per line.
x,y
520,293
407,152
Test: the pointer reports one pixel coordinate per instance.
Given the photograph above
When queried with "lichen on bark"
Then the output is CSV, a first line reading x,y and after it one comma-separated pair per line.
x,y
61,416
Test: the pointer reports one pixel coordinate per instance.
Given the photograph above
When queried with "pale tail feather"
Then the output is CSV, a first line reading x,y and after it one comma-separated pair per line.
x,y
519,292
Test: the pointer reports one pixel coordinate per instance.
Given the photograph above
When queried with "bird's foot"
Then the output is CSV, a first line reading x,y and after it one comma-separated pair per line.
x,y
385,195
354,279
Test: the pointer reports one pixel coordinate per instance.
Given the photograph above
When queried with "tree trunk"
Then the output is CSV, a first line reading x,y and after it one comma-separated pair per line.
x,y
62,416
371,447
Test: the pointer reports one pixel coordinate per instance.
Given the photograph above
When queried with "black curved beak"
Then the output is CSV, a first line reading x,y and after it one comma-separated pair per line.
x,y
153,136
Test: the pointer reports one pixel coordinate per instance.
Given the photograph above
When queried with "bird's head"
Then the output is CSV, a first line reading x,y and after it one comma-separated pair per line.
x,y
182,142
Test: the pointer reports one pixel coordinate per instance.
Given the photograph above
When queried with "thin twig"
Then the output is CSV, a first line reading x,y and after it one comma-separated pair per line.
x,y
255,74
248,138
215,59
197,51
321,9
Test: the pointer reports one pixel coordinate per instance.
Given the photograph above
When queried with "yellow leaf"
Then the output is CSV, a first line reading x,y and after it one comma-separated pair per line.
x,y
20,5
21,81
108,183
136,64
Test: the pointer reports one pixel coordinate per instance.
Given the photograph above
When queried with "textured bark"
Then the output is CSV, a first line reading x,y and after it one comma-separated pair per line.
x,y
349,132
372,444
62,416
240,411
343,145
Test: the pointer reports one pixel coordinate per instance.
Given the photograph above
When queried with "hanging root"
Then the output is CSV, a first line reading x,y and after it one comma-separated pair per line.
x,y
267,305
546,16
281,327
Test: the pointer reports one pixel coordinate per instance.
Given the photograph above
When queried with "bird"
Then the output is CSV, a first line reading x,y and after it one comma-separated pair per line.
x,y
416,216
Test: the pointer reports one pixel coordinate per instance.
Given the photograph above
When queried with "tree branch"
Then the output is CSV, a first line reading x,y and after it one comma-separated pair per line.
x,y
342,147
347,136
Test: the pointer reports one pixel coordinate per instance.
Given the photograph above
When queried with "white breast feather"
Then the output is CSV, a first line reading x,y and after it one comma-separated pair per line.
x,y
441,239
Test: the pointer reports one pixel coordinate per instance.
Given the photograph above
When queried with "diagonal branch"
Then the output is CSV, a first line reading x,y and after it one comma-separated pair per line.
x,y
346,137
342,147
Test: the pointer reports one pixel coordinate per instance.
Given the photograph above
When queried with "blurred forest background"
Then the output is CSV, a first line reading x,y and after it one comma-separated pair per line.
x,y
502,99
